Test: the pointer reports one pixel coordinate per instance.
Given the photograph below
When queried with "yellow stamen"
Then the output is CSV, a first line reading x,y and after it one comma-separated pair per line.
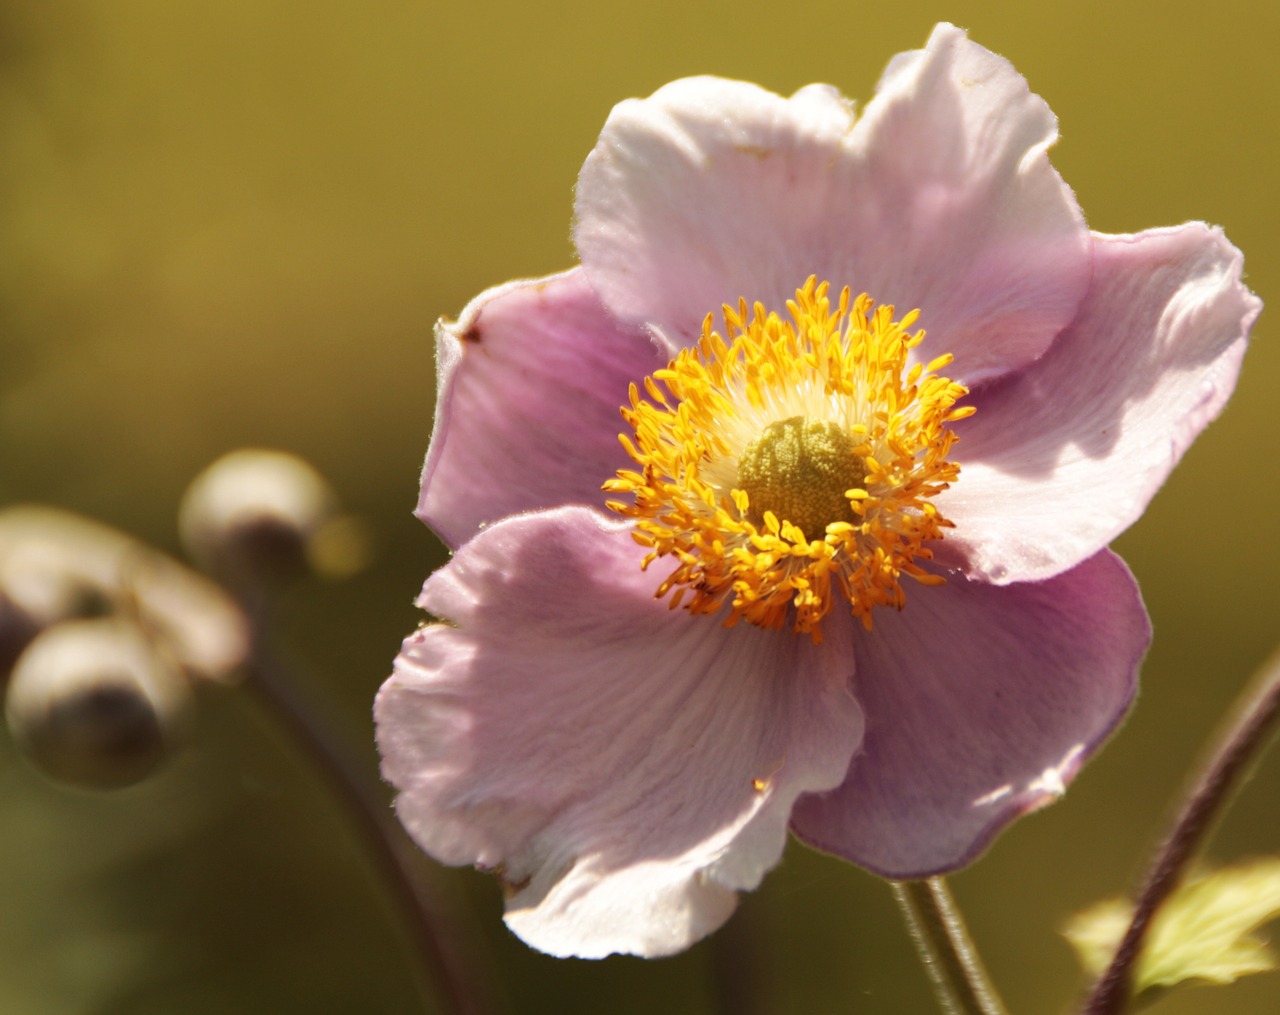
x,y
792,461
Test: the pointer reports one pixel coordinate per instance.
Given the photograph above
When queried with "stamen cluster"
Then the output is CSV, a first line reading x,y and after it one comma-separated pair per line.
x,y
843,370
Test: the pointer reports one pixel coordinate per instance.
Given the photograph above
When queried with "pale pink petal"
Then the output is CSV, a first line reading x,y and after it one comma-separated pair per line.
x,y
981,703
941,197
625,768
531,378
1062,457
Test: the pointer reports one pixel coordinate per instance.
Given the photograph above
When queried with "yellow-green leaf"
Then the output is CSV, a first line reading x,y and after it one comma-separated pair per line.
x,y
1204,932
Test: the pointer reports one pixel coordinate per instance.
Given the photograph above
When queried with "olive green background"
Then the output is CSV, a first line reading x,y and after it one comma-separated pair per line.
x,y
234,222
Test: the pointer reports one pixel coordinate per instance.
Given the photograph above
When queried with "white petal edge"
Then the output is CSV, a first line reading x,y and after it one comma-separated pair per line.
x,y
624,767
941,197
1062,457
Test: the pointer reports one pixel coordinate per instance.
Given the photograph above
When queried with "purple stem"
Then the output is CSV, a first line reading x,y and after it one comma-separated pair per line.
x,y
1246,731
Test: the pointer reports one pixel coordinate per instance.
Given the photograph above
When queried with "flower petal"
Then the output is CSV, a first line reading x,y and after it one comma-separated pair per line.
x,y
531,378
981,702
1062,457
623,767
941,197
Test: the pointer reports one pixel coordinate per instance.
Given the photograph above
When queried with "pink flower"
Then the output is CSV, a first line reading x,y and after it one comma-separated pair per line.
x,y
837,581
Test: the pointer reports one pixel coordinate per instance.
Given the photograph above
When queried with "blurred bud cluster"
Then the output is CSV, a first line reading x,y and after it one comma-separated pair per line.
x,y
104,639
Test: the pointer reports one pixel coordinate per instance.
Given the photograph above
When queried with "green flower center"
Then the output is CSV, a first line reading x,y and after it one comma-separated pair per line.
x,y
799,469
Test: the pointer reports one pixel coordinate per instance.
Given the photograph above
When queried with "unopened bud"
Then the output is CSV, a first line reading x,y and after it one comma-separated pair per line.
x,y
92,703
56,566
256,515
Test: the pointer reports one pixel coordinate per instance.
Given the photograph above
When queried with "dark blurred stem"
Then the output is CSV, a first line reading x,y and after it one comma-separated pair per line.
x,y
437,941
959,980
1247,729
740,964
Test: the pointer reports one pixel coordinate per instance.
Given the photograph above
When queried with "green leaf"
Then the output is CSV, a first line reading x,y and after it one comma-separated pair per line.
x,y
1204,932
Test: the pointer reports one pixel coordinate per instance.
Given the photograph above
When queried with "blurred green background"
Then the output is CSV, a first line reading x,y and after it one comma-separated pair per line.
x,y
234,223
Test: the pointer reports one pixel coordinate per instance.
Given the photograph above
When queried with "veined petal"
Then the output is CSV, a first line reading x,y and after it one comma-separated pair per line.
x,y
982,702
941,197
1062,457
531,378
624,768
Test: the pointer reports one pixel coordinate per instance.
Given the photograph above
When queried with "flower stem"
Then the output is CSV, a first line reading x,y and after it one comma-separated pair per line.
x,y
459,989
949,955
1244,733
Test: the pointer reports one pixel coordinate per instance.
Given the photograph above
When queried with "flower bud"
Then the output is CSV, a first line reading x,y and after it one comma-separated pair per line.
x,y
57,566
256,515
92,703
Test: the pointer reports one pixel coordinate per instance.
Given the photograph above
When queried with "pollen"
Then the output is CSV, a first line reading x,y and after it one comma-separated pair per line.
x,y
788,466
